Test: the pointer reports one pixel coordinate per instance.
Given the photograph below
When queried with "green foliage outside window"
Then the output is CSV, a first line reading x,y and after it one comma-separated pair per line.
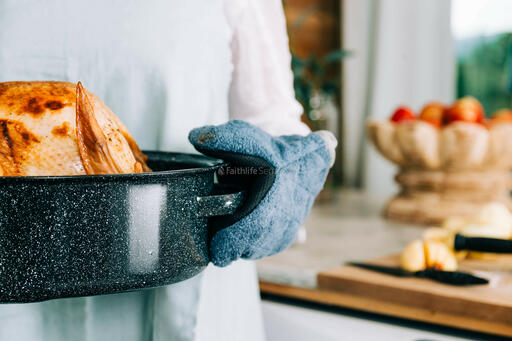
x,y
485,70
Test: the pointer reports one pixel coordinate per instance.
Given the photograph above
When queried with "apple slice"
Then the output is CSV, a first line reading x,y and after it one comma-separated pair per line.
x,y
439,256
429,254
413,257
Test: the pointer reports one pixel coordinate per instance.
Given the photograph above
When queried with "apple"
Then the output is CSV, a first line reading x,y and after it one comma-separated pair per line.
x,y
502,116
433,113
403,114
466,109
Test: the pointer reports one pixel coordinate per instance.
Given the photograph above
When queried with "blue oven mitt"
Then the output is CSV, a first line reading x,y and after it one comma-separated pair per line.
x,y
281,177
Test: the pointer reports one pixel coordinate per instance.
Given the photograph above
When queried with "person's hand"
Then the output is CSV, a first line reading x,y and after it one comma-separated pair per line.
x,y
282,175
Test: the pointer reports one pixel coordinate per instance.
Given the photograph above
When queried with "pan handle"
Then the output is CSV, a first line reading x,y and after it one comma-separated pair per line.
x,y
220,204
250,174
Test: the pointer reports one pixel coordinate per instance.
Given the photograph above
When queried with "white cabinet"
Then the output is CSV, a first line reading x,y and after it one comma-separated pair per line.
x,y
285,322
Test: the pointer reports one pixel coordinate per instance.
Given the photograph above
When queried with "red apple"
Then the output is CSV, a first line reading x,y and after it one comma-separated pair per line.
x,y
433,113
467,109
402,114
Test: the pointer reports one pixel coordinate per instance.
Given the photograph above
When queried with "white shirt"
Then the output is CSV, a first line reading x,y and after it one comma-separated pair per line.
x,y
261,90
164,67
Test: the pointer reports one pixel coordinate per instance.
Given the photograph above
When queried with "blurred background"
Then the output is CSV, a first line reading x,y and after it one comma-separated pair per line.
x,y
355,62
360,59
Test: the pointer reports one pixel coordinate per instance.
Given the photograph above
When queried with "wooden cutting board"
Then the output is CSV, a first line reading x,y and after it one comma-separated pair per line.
x,y
485,308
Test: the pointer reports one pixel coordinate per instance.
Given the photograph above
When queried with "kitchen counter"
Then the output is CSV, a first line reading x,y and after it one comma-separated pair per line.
x,y
347,228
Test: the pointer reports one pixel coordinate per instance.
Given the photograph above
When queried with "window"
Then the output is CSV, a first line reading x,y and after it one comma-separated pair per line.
x,y
483,42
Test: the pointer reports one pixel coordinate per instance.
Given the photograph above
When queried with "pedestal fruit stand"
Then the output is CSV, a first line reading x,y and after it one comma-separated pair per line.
x,y
451,160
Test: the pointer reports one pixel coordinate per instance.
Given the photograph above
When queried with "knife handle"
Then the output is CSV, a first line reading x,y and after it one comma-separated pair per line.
x,y
482,244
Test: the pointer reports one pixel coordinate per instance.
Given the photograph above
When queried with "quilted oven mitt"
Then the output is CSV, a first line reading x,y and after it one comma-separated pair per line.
x,y
281,177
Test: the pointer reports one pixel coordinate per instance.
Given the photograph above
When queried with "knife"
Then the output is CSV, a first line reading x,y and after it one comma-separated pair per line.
x,y
448,277
482,244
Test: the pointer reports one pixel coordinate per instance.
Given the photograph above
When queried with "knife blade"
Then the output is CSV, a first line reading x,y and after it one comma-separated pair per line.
x,y
451,277
492,245
457,278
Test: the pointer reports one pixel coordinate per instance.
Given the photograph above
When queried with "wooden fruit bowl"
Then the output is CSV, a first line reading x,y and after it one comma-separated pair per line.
x,y
445,171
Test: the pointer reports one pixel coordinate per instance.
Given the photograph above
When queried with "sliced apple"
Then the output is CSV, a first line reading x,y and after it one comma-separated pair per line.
x,y
446,237
439,256
428,254
485,231
413,257
497,216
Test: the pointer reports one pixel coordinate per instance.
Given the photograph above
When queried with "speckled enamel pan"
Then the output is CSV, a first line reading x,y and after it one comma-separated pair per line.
x,y
66,236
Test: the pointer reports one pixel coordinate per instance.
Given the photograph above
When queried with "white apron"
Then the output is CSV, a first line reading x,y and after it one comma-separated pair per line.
x,y
164,67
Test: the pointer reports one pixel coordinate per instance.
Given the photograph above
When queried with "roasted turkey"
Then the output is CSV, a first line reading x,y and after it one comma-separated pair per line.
x,y
59,128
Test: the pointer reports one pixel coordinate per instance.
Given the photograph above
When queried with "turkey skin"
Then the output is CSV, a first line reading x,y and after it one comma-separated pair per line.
x,y
60,128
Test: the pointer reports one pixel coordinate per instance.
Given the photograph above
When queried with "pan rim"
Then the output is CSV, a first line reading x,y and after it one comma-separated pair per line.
x,y
210,164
